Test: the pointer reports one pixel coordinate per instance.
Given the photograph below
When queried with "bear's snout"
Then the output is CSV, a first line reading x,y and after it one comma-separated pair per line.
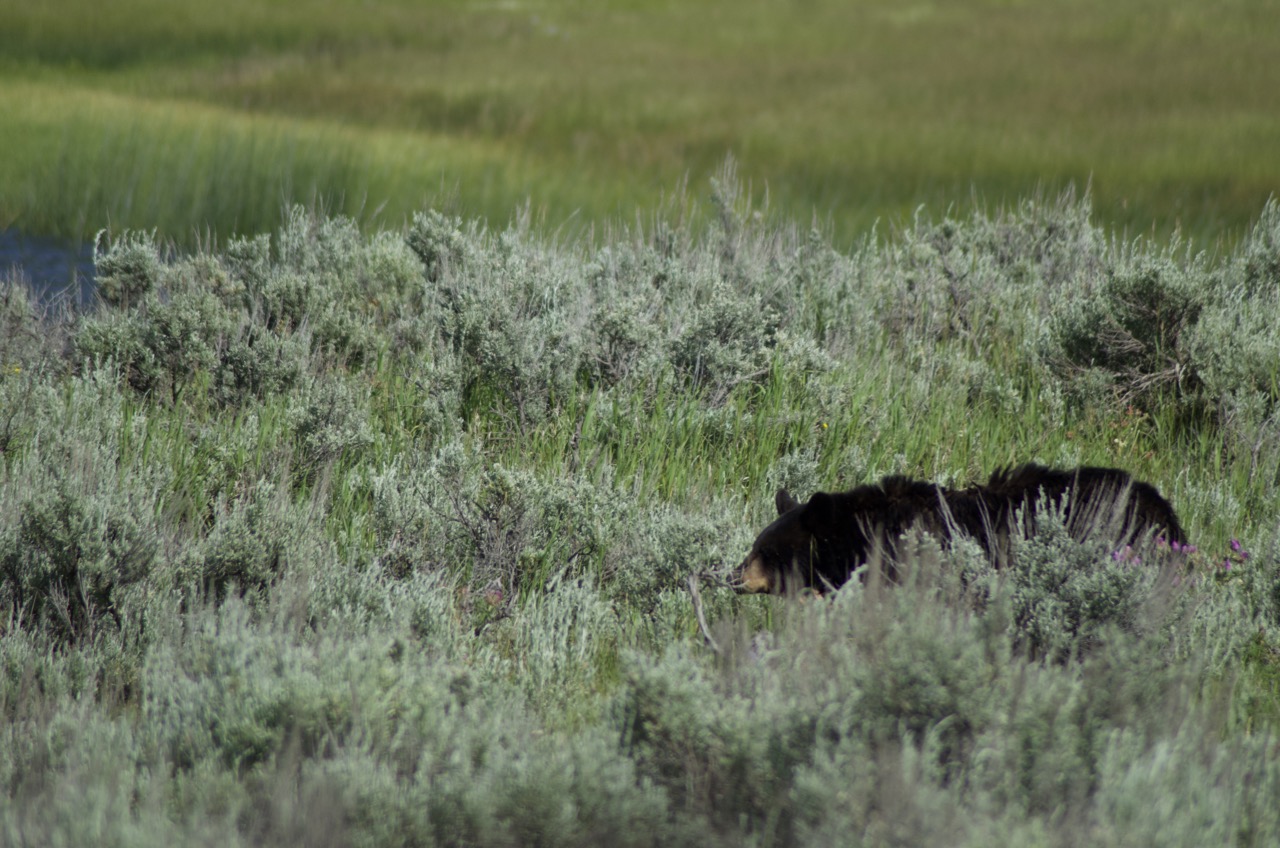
x,y
752,577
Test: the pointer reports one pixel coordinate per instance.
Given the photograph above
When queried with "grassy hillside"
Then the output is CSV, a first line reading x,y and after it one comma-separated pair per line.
x,y
198,118
335,538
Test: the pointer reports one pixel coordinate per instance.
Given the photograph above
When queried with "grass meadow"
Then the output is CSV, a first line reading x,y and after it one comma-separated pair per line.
x,y
203,120
335,537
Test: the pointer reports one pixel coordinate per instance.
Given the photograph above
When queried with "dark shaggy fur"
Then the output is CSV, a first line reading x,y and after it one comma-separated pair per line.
x,y
821,543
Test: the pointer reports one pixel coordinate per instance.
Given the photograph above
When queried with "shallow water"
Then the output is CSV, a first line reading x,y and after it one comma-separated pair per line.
x,y
53,268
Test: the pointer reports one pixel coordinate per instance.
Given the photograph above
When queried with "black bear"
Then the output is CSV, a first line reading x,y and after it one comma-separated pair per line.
x,y
819,544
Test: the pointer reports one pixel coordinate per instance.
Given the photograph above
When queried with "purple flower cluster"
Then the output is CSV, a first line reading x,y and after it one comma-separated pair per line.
x,y
1238,555
1176,546
1223,569
1126,554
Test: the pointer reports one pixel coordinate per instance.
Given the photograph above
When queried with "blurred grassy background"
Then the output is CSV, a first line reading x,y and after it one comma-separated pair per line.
x,y
205,119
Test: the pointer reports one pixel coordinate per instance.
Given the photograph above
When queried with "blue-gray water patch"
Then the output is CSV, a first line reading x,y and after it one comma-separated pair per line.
x,y
52,267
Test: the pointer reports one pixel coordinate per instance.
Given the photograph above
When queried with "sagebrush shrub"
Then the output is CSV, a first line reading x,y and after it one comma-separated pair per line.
x,y
258,364
660,547
1066,595
725,342
164,345
1135,322
127,268
73,542
330,421
440,242
626,341
254,538
248,259
31,335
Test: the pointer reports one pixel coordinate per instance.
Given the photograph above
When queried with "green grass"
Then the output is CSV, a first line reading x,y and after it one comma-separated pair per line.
x,y
194,171
194,118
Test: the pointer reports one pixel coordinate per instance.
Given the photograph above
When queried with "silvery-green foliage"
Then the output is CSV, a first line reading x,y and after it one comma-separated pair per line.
x,y
401,516
38,669
513,334
230,325
509,529
736,744
986,386
164,344
626,340
78,539
284,301
455,621
711,306
234,690
1069,757
923,683
257,363
18,390
796,471
320,247
674,722
896,713
414,747
492,780
724,342
1167,326
329,421
68,556
660,546
800,354
981,278
391,269
248,259
559,640
670,617
1259,257
184,335
1066,595
893,797
1236,343
1135,320
255,537
1181,790
31,337
74,780
127,267
819,284
1040,757
341,282
441,242
204,272
1233,610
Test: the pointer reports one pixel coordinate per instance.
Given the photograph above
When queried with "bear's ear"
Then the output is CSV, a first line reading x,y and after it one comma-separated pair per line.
x,y
784,501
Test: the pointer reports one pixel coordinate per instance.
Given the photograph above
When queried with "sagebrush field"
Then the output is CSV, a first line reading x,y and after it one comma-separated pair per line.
x,y
338,538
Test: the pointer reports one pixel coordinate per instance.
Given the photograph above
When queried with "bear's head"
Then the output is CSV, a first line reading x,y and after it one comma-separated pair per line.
x,y
785,555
